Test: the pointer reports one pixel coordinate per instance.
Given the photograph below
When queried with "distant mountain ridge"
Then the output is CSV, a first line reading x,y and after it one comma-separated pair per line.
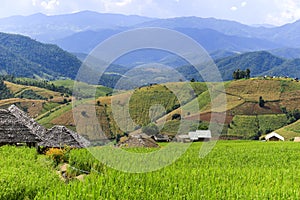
x,y
49,28
81,32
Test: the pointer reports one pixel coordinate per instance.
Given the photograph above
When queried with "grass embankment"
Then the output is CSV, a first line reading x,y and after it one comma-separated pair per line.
x,y
291,131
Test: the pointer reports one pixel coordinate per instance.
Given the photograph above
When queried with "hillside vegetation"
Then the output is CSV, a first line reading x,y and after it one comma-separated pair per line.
x,y
25,57
244,118
291,131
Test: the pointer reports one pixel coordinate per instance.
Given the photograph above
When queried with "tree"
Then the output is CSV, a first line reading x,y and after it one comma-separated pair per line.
x,y
261,102
248,73
240,74
193,80
176,117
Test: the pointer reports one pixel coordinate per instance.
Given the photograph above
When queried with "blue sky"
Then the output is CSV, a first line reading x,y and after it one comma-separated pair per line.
x,y
276,12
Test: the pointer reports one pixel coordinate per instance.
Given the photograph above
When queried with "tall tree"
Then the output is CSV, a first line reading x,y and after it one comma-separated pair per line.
x,y
248,73
261,102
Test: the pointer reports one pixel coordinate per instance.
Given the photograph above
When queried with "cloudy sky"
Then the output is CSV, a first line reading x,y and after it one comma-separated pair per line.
x,y
276,12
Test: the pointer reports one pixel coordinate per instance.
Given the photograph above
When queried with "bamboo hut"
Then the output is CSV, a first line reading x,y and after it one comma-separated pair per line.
x,y
60,136
14,132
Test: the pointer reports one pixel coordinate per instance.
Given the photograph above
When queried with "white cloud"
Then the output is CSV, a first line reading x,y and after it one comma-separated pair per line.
x,y
244,3
50,5
34,2
123,3
287,11
233,8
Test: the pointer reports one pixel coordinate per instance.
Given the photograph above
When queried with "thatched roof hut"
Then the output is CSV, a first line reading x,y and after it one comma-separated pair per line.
x,y
13,131
56,137
60,136
139,141
35,127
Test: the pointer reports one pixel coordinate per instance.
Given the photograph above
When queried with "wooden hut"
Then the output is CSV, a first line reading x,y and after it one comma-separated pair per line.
x,y
60,136
14,132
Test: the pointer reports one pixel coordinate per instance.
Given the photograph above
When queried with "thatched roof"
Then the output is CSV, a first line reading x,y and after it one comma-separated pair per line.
x,y
35,127
60,136
13,131
56,137
139,141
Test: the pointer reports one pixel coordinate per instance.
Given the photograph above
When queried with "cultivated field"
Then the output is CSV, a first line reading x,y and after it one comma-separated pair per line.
x,y
233,170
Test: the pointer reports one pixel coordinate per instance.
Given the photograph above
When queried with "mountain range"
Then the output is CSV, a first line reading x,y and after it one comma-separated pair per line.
x,y
25,57
81,32
232,45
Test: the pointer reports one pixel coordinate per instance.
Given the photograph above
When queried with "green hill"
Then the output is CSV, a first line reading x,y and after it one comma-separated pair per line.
x,y
22,56
158,104
290,131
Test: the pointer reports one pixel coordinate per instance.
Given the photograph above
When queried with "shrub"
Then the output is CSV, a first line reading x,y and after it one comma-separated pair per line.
x,y
58,155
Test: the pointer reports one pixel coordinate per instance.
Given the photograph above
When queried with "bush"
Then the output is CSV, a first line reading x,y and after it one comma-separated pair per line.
x,y
176,117
58,155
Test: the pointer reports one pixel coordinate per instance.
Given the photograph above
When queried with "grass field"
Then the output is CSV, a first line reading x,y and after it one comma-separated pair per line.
x,y
249,126
85,89
233,170
290,131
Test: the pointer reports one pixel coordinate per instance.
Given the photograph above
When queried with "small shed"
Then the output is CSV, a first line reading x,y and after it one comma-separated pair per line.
x,y
161,138
274,137
14,132
60,136
297,139
200,135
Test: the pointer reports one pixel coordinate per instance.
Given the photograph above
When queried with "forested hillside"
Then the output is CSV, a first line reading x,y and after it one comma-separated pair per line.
x,y
22,56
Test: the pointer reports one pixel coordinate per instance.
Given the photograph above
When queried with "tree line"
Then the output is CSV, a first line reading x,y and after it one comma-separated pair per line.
x,y
4,91
240,74
36,83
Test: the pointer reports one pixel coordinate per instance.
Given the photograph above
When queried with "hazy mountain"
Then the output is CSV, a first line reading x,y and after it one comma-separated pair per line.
x,y
289,53
258,62
287,35
210,39
223,26
48,28
85,41
89,24
22,56
219,54
289,68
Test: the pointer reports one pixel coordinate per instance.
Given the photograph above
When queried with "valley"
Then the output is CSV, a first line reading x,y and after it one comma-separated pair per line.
x,y
149,127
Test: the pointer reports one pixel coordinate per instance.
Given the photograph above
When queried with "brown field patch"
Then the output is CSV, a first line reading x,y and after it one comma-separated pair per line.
x,y
207,117
249,108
